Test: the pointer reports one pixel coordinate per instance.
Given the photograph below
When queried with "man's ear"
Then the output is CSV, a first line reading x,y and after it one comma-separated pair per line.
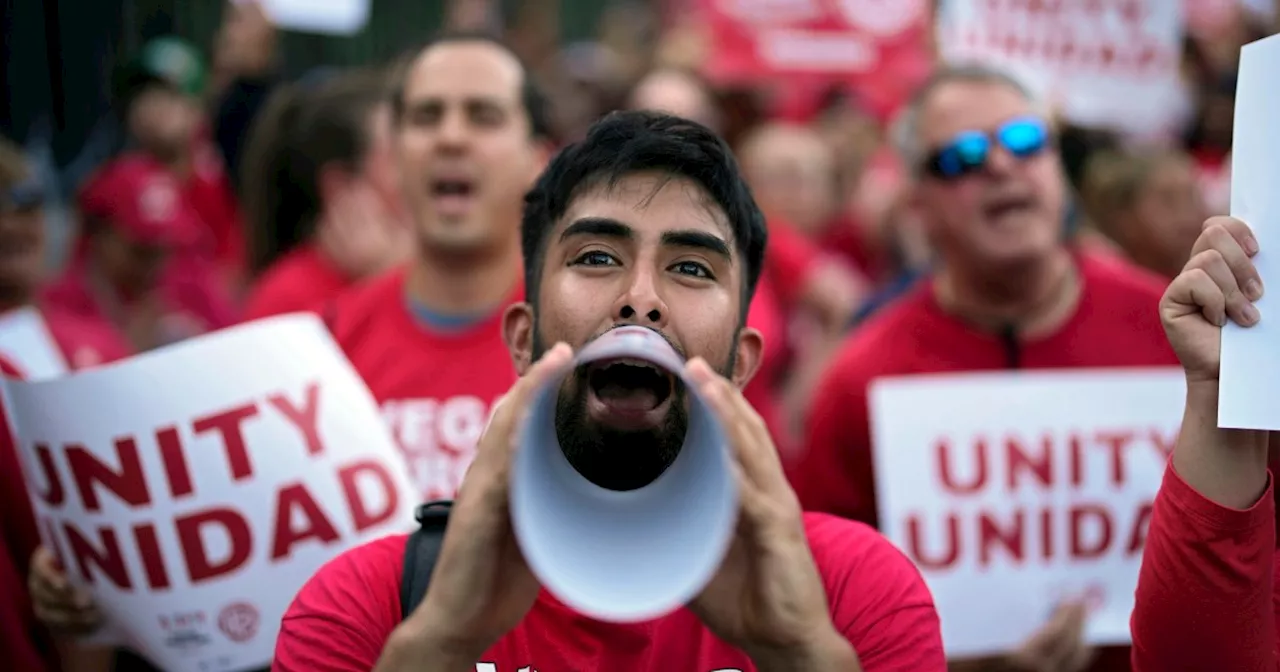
x,y
749,356
517,333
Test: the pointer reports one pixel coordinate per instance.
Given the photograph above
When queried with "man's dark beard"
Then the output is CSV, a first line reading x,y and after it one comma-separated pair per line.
x,y
612,458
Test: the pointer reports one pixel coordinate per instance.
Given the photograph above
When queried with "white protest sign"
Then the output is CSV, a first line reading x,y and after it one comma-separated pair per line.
x,y
1013,491
325,17
1250,376
1111,63
195,488
27,343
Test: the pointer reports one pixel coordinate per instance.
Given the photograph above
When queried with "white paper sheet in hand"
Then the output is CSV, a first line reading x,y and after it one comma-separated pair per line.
x,y
1249,383
326,17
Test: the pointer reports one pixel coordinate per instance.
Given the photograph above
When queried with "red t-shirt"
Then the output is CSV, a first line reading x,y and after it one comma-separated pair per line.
x,y
436,388
302,280
1206,595
84,342
195,301
1116,324
342,617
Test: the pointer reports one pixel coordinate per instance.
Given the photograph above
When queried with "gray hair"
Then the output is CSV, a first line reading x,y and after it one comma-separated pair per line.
x,y
905,133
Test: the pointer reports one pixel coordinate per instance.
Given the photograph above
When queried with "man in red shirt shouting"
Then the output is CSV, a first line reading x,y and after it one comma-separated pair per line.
x,y
646,222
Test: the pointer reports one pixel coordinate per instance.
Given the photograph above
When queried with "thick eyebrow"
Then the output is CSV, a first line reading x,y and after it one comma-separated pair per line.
x,y
700,240
598,226
611,228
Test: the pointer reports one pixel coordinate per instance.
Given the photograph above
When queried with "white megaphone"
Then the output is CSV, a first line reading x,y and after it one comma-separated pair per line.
x,y
623,556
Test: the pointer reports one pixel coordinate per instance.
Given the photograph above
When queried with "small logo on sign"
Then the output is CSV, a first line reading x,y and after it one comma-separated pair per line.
x,y
238,621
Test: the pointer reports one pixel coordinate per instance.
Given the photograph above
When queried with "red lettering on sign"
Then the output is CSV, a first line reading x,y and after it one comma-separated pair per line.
x,y
296,498
369,495
228,425
1020,534
128,483
305,419
979,478
361,516
109,560
175,462
191,529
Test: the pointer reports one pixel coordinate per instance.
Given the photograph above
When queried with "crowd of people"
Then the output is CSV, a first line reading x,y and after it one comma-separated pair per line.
x,y
455,226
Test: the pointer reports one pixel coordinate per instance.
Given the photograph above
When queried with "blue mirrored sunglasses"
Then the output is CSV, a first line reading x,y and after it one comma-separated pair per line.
x,y
969,150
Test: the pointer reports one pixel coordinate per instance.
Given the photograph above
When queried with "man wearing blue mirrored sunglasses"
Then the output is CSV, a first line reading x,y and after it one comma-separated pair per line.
x,y
1008,291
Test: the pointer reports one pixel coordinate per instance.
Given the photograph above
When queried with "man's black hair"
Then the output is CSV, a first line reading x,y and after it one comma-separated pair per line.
x,y
623,144
531,97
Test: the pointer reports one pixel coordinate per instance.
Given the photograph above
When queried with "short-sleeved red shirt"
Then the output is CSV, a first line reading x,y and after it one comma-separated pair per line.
x,y
341,619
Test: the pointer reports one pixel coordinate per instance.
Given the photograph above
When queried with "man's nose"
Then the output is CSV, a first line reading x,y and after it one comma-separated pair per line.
x,y
642,303
1001,162
453,130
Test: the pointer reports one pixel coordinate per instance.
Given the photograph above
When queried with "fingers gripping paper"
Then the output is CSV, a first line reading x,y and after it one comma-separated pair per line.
x,y
196,488
1250,359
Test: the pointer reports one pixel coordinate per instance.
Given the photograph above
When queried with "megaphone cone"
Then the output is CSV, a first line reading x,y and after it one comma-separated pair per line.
x,y
623,556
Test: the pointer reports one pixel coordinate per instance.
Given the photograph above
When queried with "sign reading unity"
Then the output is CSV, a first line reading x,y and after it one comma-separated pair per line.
x,y
1014,491
194,489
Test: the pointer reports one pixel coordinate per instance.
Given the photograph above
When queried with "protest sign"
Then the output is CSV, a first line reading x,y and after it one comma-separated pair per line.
x,y
1107,63
1013,491
878,48
27,344
194,489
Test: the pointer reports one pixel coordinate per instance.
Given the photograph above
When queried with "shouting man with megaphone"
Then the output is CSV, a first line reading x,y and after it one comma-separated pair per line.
x,y
645,225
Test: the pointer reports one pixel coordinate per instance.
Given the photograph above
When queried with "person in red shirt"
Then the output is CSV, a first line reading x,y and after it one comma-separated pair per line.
x,y
121,272
1007,292
27,644
645,223
160,94
322,193
469,134
1207,595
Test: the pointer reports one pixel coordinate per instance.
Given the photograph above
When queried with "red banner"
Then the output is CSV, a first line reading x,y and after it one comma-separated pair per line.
x,y
881,49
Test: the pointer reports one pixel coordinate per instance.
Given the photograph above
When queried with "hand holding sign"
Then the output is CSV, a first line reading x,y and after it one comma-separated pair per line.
x,y
58,604
1217,284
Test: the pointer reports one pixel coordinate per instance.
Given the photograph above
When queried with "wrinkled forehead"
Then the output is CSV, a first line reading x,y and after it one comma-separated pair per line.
x,y
955,107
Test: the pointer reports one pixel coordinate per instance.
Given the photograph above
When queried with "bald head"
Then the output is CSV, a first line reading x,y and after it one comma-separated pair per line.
x,y
675,92
792,173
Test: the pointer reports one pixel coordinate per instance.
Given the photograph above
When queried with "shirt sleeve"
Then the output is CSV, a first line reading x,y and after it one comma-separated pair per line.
x,y
834,472
1205,590
878,599
342,617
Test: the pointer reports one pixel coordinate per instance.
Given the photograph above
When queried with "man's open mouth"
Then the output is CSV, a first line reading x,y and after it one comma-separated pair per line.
x,y
628,393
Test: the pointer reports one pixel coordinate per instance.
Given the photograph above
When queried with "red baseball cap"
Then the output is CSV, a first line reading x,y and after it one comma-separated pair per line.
x,y
141,199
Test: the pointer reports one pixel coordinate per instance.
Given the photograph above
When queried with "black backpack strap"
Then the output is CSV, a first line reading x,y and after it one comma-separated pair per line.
x,y
420,553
